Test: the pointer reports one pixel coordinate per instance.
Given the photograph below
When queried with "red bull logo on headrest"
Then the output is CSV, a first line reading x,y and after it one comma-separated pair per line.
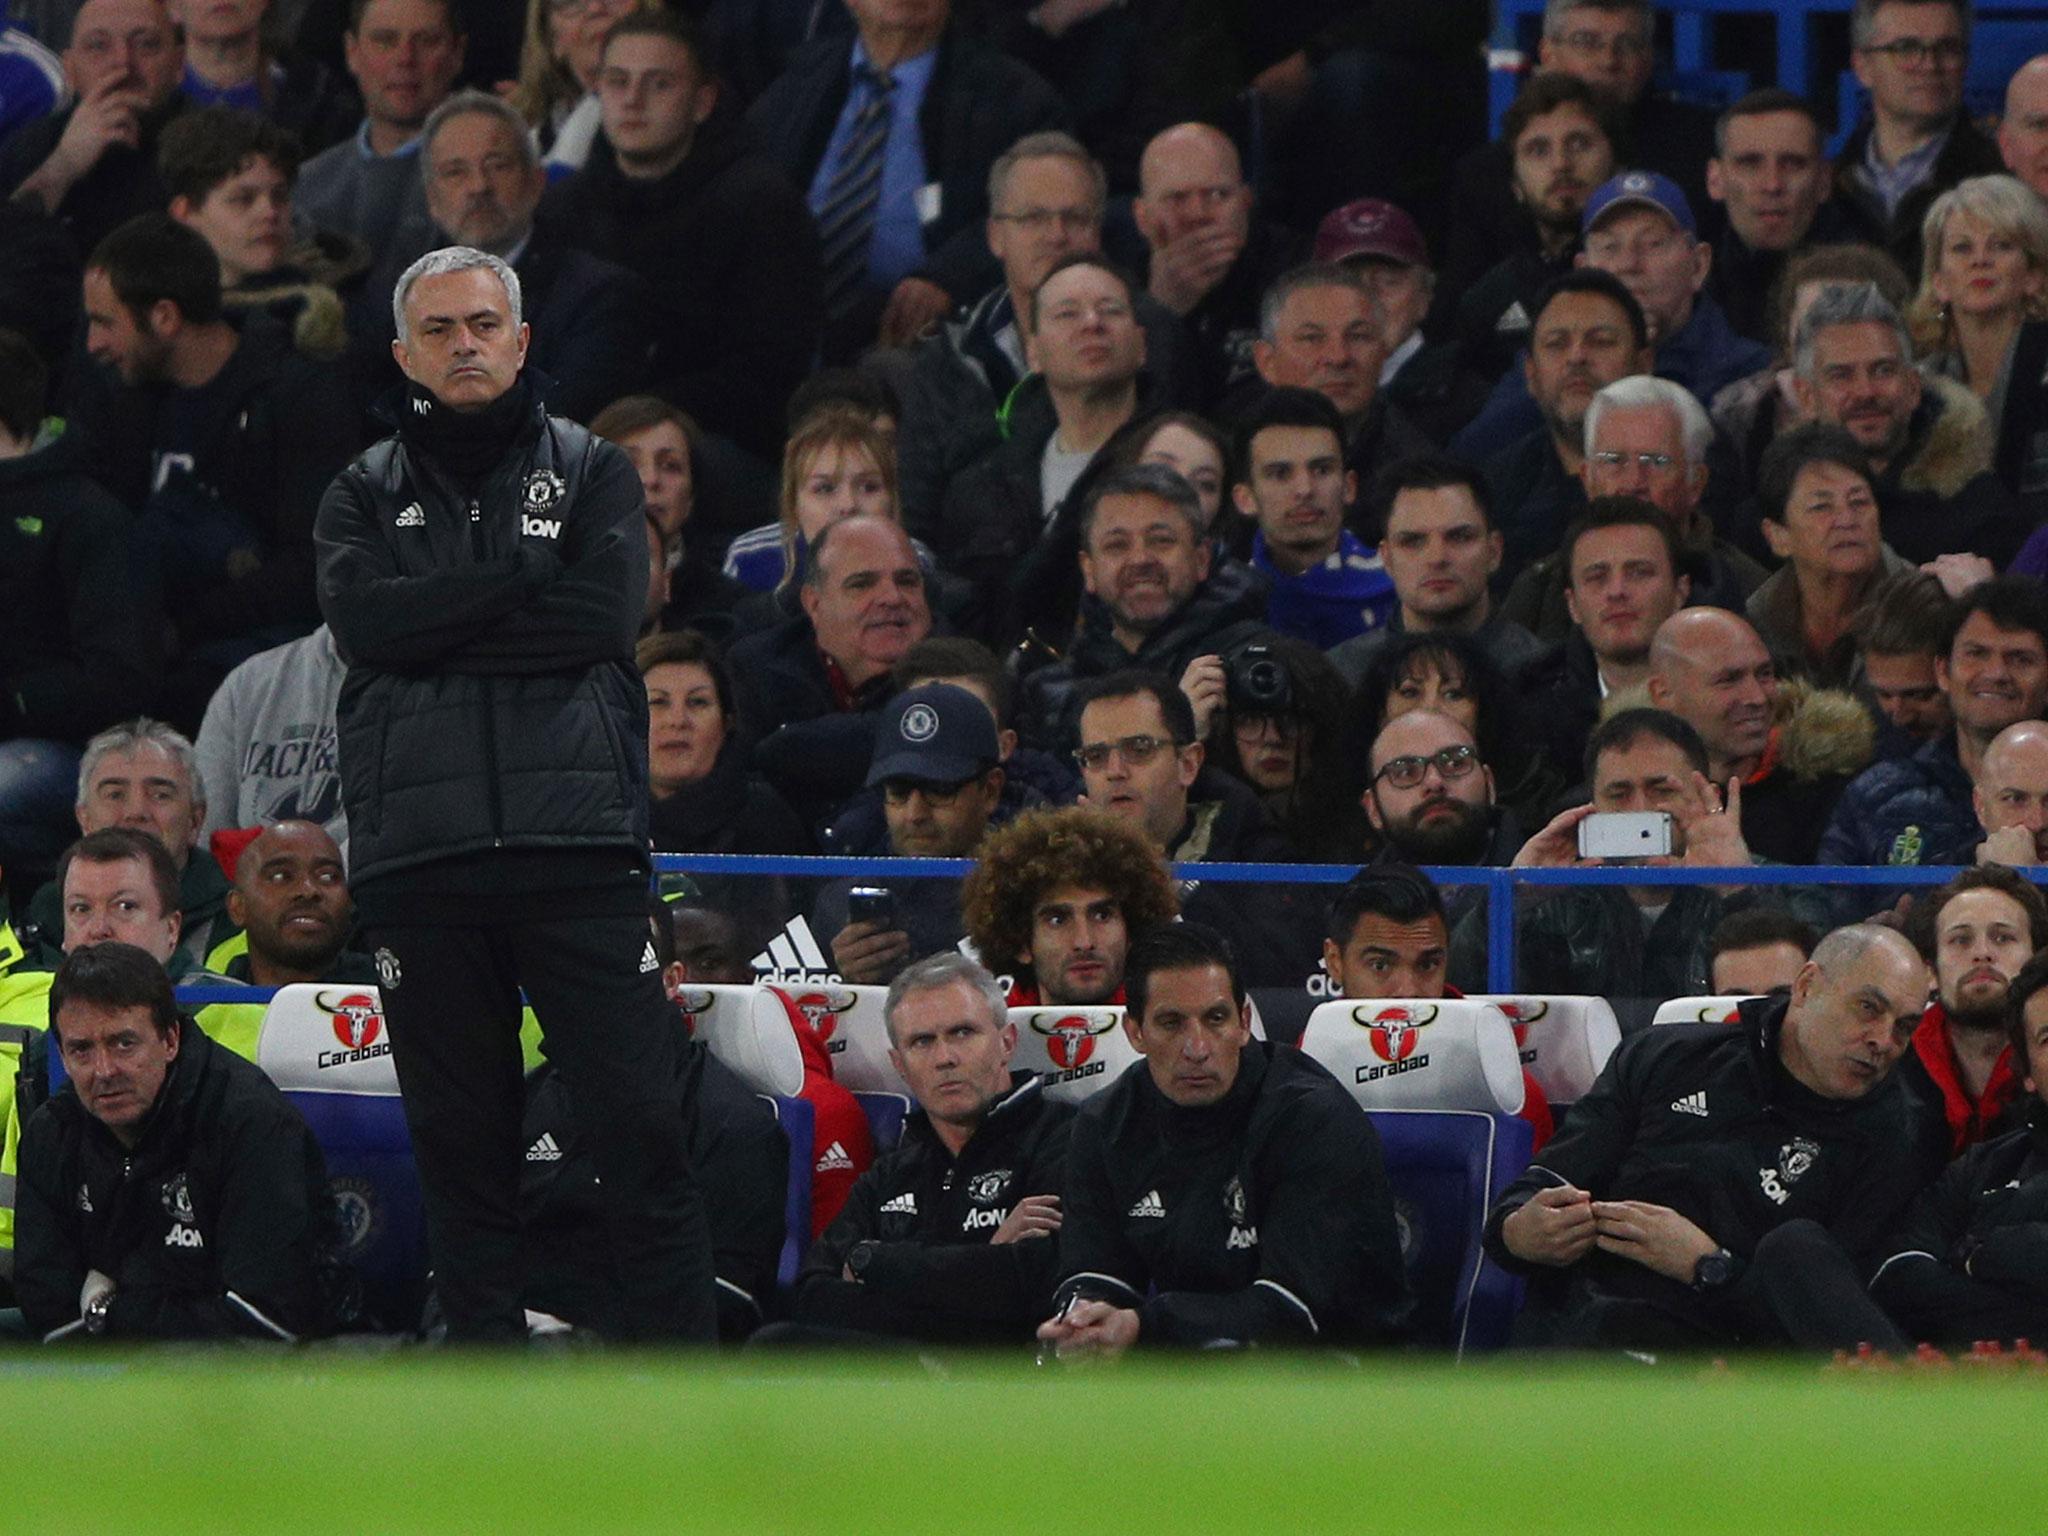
x,y
1070,1041
358,1022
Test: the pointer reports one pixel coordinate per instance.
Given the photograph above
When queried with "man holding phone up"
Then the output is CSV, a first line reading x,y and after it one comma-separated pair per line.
x,y
936,758
1644,942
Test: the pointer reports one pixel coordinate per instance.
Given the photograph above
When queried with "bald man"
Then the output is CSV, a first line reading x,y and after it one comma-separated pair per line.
x,y
1727,1184
2023,130
1210,256
291,898
1794,748
2011,797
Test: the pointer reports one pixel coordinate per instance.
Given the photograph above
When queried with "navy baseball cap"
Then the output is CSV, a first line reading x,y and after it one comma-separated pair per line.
x,y
1640,189
934,734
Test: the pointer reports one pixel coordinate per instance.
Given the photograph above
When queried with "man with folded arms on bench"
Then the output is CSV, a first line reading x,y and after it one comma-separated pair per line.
x,y
1722,1184
954,1236
1223,1191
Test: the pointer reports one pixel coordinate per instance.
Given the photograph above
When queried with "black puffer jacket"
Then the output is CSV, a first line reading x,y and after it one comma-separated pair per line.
x,y
491,698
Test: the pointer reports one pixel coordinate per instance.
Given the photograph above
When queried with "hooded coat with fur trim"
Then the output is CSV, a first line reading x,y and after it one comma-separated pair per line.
x,y
1938,496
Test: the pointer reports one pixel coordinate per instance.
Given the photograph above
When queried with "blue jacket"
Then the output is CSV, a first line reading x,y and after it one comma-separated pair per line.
x,y
1907,810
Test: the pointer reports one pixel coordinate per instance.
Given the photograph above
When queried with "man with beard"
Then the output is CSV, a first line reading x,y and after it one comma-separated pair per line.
x,y
1587,332
1058,894
1961,1075
1561,147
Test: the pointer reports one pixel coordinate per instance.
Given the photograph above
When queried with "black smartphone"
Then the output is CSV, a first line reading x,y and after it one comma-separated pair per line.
x,y
874,904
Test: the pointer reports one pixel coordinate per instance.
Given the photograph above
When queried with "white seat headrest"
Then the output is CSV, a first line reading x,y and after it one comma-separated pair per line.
x,y
319,1038
759,1046
849,1022
1400,1053
1698,1010
1564,1041
1079,1051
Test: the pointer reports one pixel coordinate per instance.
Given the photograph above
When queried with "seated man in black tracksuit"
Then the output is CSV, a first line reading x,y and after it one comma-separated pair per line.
x,y
1719,1183
1222,1191
738,1154
954,1236
1970,1260
169,1191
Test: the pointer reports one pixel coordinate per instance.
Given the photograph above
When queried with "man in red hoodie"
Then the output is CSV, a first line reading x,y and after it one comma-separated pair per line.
x,y
1058,896
1388,938
1978,930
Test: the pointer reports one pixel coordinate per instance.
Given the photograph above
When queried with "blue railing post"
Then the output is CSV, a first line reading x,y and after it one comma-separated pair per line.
x,y
1500,931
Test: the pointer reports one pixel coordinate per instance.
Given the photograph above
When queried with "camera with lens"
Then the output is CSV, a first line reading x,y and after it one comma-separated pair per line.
x,y
1257,681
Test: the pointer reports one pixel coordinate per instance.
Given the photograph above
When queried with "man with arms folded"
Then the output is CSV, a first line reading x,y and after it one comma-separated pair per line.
x,y
954,1236
1222,1191
1720,1182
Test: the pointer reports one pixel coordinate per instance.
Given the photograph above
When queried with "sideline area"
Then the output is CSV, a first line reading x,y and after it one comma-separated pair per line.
x,y
613,1443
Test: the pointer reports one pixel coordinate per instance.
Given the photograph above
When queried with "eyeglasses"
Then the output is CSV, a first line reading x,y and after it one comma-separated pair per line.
x,y
897,792
1918,50
1038,220
1626,46
1651,463
1136,751
1256,727
1451,764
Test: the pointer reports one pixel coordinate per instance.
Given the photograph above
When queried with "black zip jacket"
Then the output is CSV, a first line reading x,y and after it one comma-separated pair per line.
x,y
931,1272
738,1155
1263,1218
1975,1243
1767,1150
219,1223
491,699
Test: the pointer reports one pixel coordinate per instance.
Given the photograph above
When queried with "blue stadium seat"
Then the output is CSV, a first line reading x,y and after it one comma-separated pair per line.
x,y
368,1150
800,1125
1446,1167
885,1112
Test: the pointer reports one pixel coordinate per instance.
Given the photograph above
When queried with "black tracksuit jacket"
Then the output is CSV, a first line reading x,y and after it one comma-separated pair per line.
x,y
1767,1150
1970,1260
1263,1218
218,1223
933,1273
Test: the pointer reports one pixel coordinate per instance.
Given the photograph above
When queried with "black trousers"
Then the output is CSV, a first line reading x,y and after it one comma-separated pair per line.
x,y
611,1032
1945,1306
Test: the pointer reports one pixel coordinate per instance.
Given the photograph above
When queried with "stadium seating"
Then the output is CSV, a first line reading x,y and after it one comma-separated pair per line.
x,y
326,1048
1564,1041
1079,1051
799,1123
1698,1010
756,1043
1445,1167
1414,1054
848,1020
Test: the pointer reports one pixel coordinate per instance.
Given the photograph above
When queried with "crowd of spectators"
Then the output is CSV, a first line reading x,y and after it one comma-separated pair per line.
x,y
1084,438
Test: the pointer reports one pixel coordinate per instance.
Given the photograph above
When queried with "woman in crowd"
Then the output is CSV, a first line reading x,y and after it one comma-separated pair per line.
x,y
663,443
1186,443
1820,518
556,91
1449,673
1981,316
835,465
706,797
1281,731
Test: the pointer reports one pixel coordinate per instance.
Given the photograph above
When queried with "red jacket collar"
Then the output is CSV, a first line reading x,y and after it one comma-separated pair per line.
x,y
1967,1120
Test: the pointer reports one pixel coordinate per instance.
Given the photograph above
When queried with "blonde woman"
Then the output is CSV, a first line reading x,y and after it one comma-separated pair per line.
x,y
1985,283
556,91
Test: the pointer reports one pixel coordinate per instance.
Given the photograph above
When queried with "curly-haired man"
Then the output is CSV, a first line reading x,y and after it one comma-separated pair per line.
x,y
1059,894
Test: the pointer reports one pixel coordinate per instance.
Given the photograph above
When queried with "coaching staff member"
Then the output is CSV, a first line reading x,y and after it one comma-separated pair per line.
x,y
483,570
170,1191
1720,1182
1222,1191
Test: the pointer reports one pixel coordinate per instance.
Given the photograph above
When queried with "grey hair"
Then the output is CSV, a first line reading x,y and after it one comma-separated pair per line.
x,y
453,258
1863,18
1145,480
1845,304
1556,13
1319,274
483,104
1641,392
943,970
131,735
1049,145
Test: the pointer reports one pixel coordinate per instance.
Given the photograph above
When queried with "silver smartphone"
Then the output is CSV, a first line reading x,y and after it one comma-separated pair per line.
x,y
1625,835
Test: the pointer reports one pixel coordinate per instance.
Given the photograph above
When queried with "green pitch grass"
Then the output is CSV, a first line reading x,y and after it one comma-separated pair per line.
x,y
317,1443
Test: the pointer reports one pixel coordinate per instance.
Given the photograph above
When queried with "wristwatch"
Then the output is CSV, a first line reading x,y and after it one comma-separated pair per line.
x,y
1713,1272
97,1309
860,1256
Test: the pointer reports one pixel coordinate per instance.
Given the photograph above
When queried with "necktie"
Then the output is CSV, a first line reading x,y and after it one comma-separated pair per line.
x,y
846,217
